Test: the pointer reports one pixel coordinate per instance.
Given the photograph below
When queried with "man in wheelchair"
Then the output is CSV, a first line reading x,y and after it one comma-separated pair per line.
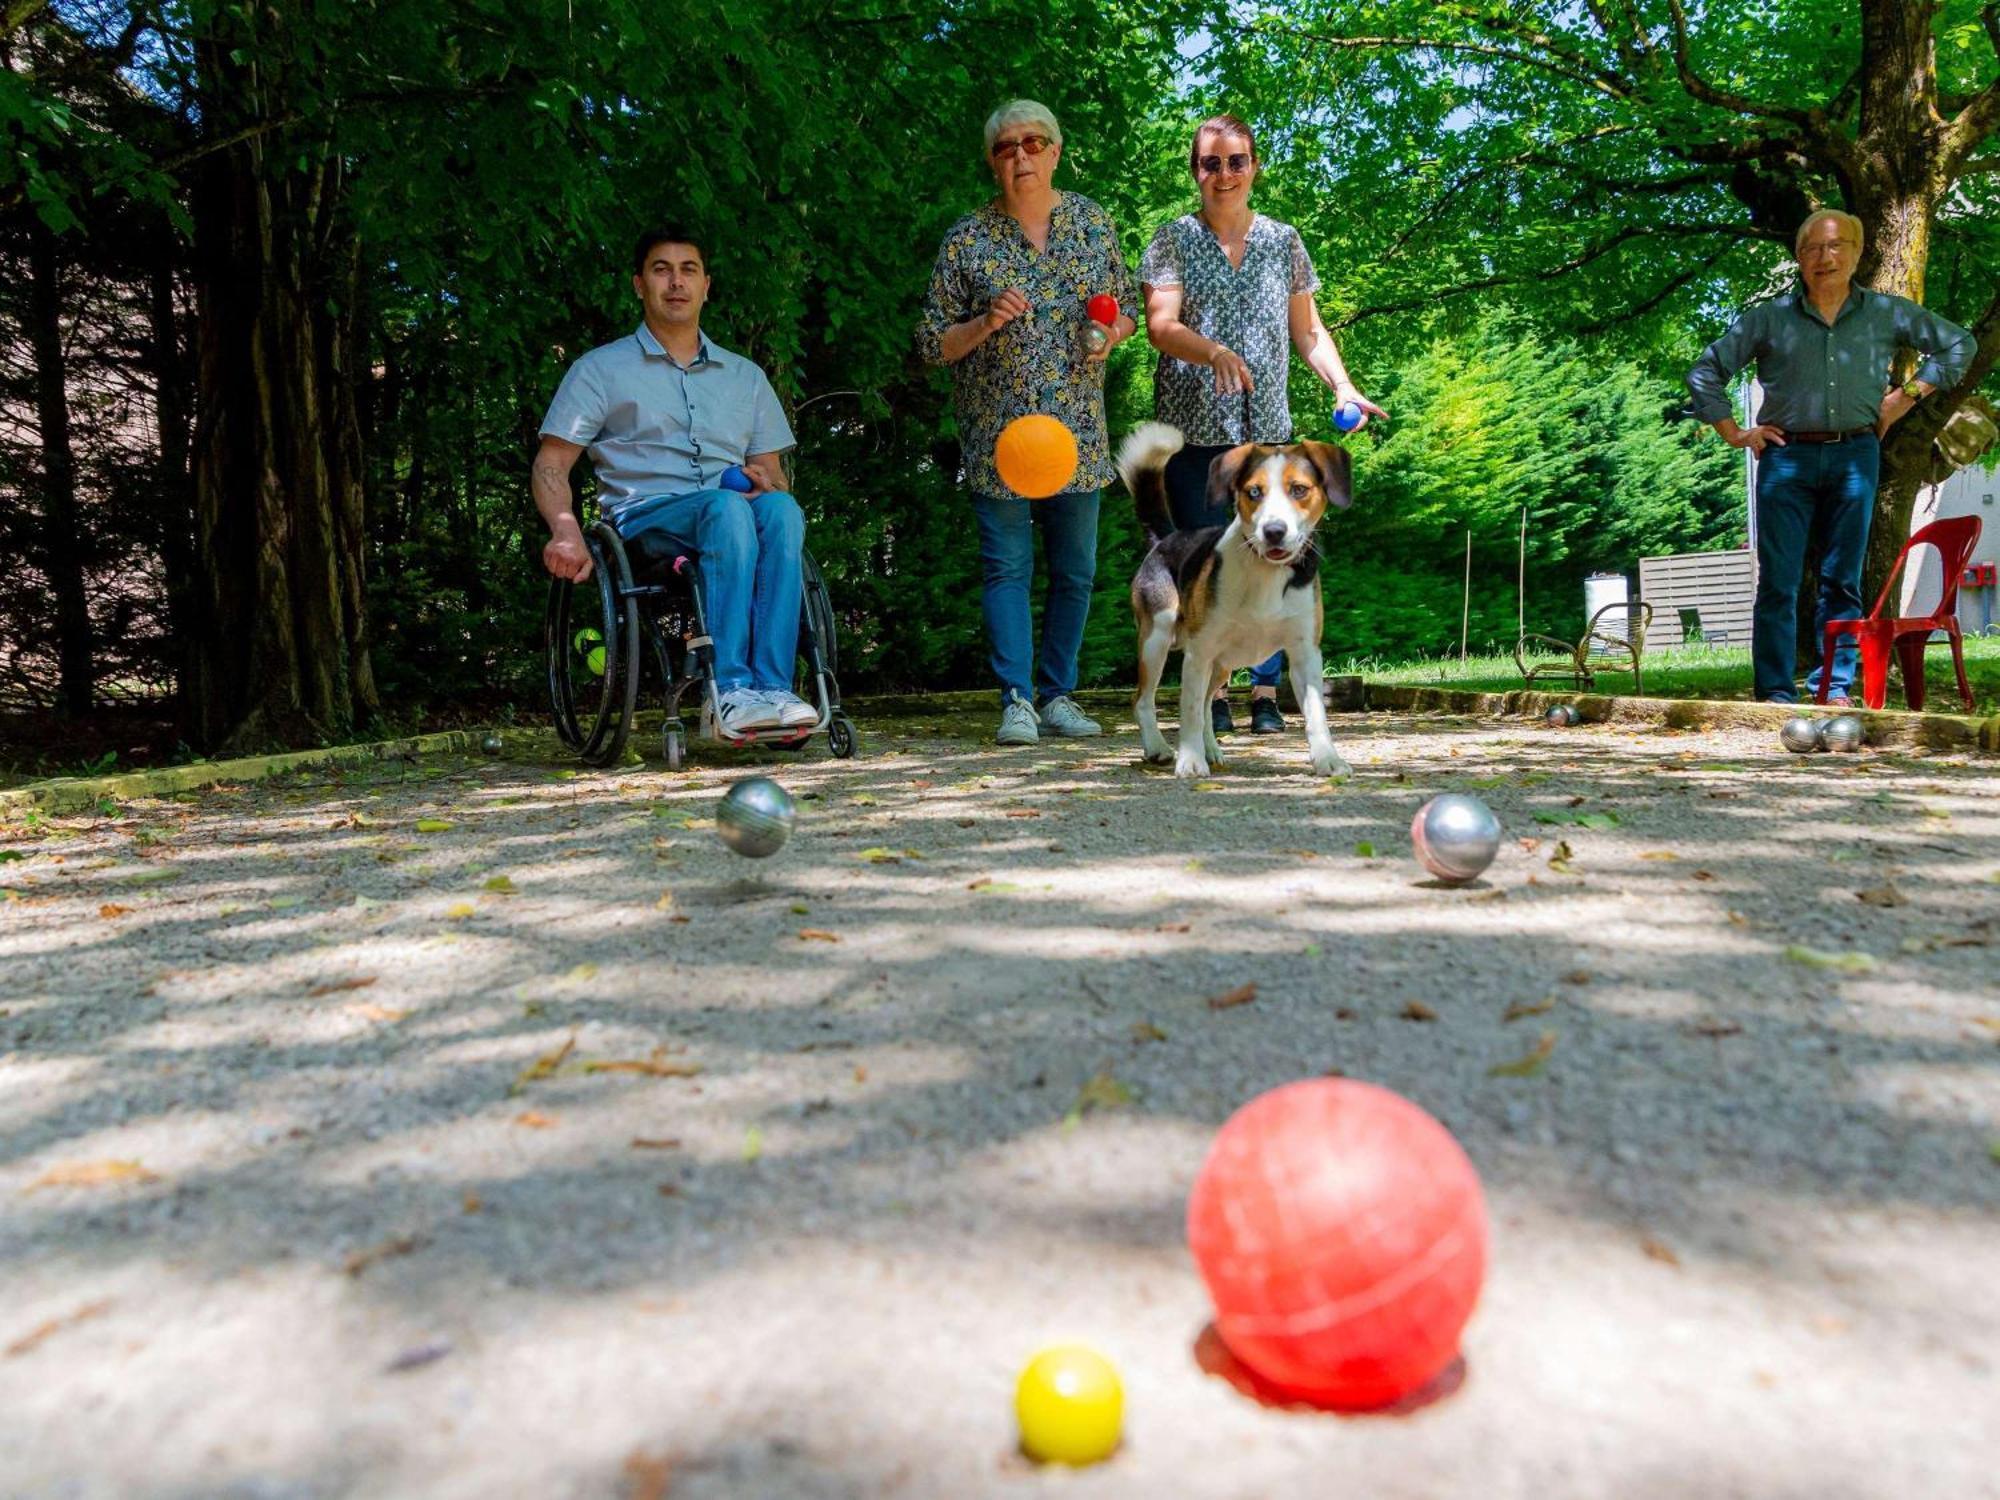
x,y
664,413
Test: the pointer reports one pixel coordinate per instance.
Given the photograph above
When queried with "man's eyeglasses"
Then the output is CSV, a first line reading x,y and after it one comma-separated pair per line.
x,y
1236,161
1032,145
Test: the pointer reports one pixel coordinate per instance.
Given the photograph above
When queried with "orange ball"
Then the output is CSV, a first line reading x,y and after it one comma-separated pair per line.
x,y
1036,456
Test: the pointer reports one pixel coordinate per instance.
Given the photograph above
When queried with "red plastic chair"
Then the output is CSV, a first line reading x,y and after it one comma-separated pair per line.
x,y
1954,540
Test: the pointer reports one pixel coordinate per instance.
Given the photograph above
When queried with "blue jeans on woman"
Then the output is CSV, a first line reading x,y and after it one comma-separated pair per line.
x,y
750,549
1187,498
1819,496
1007,525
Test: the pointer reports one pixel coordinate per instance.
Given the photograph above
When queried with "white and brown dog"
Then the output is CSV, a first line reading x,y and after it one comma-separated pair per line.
x,y
1228,596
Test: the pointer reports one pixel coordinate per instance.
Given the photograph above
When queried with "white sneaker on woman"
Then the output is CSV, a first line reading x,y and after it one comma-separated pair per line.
x,y
741,711
793,711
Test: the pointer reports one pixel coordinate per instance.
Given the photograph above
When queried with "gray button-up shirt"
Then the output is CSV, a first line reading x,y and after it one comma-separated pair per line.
x,y
654,427
1820,378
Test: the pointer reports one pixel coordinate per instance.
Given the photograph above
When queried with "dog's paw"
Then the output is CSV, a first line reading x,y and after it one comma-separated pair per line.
x,y
1187,763
1327,762
1155,749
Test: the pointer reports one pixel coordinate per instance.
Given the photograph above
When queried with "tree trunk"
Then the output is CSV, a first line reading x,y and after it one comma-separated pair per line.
x,y
282,652
173,407
62,527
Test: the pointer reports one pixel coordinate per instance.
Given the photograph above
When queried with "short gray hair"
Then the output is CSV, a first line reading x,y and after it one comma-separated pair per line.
x,y
1850,227
1021,112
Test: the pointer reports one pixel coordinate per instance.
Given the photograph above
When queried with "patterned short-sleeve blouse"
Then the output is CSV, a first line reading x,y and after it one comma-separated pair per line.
x,y
1037,362
1244,308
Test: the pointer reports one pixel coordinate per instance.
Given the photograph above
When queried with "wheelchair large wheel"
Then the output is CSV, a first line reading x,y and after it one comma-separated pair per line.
x,y
819,616
590,637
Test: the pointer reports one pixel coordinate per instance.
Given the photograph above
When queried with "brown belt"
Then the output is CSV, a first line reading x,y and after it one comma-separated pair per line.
x,y
1826,437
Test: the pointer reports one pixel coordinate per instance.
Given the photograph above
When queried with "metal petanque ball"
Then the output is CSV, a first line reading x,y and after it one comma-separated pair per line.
x,y
1800,735
1844,733
1560,716
755,817
1456,837
492,744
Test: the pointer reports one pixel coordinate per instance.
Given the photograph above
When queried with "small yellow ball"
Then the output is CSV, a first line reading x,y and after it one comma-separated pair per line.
x,y
1070,1406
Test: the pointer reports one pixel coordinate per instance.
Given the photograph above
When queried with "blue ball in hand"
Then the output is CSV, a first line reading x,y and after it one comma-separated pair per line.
x,y
1347,416
733,478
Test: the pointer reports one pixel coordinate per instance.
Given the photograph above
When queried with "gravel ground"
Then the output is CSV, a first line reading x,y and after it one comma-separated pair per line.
x,y
314,1181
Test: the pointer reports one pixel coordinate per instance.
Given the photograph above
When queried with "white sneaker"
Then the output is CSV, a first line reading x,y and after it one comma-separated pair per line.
x,y
793,711
1062,716
1017,722
742,711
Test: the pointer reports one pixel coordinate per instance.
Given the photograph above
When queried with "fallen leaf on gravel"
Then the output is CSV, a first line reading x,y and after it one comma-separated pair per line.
x,y
817,935
1846,963
334,987
110,910
647,1475
545,1065
1655,1250
1146,1031
1659,854
1701,874
92,1174
1522,1008
361,1260
1416,1010
471,1203
1737,919
860,1074
656,1143
285,903
1100,1091
419,1356
1577,976
534,1119
656,1066
665,903
1365,849
798,908
1993,1148
1529,846
1022,812
458,911
582,971
1172,927
155,876
697,823
753,1143
882,856
1881,895
42,1331
1243,994
1716,1028
500,885
1301,853
1529,1066
1560,857
433,825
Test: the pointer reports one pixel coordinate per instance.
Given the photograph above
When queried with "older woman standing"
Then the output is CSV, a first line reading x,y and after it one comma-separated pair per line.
x,y
1006,310
1226,289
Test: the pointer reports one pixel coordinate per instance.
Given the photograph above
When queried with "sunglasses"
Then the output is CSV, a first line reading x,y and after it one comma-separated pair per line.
x,y
1236,161
1033,145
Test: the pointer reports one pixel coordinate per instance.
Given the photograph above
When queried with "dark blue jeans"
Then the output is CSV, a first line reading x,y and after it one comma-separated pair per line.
x,y
1187,498
1817,496
1007,526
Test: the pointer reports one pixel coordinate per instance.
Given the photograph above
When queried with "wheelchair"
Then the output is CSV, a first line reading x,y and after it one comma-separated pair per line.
x,y
643,601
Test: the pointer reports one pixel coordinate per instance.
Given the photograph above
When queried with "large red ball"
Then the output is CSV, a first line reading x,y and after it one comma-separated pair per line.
x,y
1342,1235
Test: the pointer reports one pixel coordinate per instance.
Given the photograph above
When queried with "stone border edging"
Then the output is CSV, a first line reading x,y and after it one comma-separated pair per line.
x,y
79,793
1887,727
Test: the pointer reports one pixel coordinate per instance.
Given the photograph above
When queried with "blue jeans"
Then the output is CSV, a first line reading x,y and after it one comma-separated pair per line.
x,y
1187,498
1007,525
752,584
1819,496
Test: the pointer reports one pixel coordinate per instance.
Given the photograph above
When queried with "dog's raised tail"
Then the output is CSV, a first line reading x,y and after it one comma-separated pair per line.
x,y
1142,463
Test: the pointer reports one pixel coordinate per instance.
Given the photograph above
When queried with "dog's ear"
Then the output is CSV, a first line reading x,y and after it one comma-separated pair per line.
x,y
1223,470
1336,469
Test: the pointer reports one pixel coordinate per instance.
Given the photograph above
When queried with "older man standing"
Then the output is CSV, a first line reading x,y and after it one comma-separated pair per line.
x,y
1823,353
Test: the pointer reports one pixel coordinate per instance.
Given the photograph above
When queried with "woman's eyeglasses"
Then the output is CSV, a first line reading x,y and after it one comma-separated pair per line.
x,y
1032,145
1236,161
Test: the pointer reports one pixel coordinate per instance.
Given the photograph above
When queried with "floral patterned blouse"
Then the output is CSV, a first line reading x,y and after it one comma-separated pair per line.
x,y
1244,308
1037,362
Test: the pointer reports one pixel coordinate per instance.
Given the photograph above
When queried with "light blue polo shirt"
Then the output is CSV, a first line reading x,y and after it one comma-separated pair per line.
x,y
654,427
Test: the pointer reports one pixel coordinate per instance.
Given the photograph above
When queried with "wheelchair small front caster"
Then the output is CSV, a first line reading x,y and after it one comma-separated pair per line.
x,y
675,746
840,736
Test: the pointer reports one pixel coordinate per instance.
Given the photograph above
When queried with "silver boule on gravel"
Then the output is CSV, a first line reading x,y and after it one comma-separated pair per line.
x,y
1456,837
1560,716
1844,733
492,744
755,817
1800,735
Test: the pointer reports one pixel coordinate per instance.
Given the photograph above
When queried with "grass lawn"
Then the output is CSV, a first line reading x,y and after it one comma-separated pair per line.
x,y
1701,672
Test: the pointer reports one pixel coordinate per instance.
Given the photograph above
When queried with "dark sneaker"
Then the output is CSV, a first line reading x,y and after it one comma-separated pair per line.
x,y
1265,718
1218,715
1783,698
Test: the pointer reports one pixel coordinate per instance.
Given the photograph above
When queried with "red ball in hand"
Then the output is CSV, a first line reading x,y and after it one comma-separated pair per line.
x,y
1342,1234
1103,308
